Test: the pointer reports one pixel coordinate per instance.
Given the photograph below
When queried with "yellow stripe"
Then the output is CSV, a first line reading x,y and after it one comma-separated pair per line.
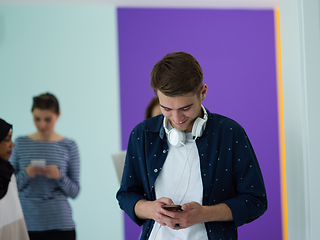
x,y
281,128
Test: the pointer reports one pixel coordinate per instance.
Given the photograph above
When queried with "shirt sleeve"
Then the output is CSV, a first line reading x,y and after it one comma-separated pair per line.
x,y
131,187
250,201
69,181
22,178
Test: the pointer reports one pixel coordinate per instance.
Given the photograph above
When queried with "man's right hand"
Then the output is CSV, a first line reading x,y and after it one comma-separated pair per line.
x,y
145,209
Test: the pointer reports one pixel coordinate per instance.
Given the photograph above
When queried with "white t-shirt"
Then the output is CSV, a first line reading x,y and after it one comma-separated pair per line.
x,y
180,179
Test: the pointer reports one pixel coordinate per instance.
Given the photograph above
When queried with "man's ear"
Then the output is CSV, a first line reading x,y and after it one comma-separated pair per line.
x,y
204,91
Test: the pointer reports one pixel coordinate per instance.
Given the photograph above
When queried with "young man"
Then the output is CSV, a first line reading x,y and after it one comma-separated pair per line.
x,y
189,157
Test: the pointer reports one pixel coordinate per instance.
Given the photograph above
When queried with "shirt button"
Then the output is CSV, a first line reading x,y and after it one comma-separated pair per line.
x,y
155,170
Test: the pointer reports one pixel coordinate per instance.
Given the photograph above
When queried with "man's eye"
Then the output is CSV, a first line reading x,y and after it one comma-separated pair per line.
x,y
48,120
185,109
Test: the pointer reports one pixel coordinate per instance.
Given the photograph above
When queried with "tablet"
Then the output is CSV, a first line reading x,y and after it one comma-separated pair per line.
x,y
118,161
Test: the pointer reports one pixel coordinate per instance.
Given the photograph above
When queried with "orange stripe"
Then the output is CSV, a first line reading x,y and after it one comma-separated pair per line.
x,y
281,128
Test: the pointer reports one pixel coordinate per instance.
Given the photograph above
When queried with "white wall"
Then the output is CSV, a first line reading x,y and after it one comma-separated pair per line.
x,y
71,52
247,4
300,43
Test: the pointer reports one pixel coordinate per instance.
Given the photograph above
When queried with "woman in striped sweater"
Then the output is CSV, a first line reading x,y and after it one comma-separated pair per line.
x,y
47,170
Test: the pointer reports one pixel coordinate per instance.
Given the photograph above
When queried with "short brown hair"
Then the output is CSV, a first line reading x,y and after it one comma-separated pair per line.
x,y
46,101
176,74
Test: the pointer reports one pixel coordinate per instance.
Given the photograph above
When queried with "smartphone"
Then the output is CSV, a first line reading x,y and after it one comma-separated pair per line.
x,y
38,162
174,208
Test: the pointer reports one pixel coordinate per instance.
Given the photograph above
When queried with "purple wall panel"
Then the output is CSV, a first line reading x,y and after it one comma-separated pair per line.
x,y
236,50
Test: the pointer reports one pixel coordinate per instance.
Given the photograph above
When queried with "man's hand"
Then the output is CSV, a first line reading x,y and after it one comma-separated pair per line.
x,y
145,209
193,213
190,215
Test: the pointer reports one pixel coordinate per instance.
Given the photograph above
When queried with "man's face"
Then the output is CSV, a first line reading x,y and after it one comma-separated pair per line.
x,y
182,110
6,146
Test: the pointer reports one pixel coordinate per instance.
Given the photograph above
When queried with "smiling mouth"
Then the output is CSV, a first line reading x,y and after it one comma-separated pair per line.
x,y
182,122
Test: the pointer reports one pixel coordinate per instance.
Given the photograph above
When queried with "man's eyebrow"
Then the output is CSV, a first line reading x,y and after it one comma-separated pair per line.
x,y
179,108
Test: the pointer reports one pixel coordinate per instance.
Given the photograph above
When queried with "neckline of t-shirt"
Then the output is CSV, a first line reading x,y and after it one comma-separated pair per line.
x,y
33,140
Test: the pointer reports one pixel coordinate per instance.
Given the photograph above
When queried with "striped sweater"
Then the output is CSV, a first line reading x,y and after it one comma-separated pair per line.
x,y
43,200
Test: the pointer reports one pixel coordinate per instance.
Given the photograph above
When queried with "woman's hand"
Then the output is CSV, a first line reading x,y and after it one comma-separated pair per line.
x,y
33,171
51,171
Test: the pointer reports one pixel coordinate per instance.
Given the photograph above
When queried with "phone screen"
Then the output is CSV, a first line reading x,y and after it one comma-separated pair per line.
x,y
38,162
174,208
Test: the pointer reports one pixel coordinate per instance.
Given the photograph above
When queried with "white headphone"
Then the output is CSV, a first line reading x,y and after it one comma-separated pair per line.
x,y
176,137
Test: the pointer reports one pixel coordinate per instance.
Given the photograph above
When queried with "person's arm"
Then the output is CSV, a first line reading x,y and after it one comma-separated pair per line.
x,y
215,213
21,175
144,209
132,192
69,181
250,201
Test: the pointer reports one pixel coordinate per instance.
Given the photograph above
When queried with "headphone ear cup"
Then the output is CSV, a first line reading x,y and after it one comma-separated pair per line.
x,y
175,137
197,128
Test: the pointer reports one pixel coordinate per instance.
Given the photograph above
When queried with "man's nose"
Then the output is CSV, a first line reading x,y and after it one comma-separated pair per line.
x,y
177,116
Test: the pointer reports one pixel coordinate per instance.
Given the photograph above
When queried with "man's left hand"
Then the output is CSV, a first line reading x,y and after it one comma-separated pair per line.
x,y
191,214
